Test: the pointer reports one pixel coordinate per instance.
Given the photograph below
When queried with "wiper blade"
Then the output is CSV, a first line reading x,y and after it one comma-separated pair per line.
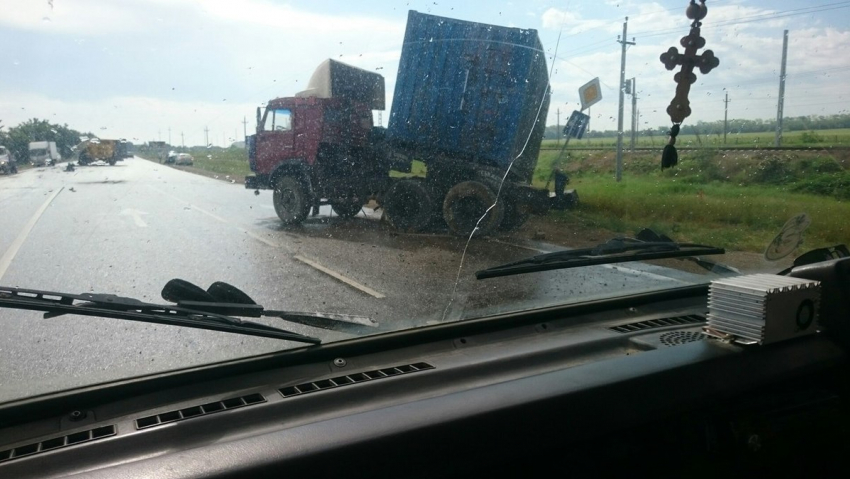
x,y
117,307
617,250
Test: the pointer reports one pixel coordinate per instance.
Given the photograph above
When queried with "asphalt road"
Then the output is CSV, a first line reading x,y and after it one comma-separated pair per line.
x,y
128,229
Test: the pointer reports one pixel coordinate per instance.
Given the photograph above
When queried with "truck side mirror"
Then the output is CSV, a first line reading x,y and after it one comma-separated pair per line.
x,y
259,129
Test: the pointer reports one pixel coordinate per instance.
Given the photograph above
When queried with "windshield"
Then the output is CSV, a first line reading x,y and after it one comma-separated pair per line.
x,y
423,142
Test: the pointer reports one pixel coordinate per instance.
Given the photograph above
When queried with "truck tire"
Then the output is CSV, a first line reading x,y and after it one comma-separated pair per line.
x,y
291,200
347,210
409,206
515,216
466,203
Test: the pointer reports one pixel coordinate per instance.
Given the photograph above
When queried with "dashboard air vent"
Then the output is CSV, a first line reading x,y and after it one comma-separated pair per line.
x,y
197,411
57,443
340,381
659,323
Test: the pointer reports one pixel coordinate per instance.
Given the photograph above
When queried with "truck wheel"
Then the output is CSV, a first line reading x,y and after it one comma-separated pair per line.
x,y
515,216
466,203
408,206
347,210
291,201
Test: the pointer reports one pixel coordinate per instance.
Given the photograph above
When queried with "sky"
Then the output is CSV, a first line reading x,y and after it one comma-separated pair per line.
x,y
158,69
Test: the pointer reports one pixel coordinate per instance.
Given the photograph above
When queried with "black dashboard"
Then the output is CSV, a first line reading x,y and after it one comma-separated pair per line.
x,y
631,385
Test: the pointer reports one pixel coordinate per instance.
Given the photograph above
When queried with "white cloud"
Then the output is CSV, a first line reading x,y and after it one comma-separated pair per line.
x,y
81,17
568,21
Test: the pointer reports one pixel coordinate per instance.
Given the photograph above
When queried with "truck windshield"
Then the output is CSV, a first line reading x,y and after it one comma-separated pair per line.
x,y
278,120
401,148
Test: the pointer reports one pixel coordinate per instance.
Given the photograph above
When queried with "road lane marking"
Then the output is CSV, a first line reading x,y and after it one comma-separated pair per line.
x,y
10,253
137,218
313,264
339,277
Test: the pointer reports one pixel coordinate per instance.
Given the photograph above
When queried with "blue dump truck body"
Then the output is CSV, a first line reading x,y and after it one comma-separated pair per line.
x,y
470,92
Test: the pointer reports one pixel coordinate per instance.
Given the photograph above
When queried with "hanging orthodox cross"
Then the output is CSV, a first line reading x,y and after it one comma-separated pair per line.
x,y
680,108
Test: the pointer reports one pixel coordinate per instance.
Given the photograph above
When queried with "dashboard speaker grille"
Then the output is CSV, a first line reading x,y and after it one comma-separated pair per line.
x,y
57,443
675,338
354,378
199,410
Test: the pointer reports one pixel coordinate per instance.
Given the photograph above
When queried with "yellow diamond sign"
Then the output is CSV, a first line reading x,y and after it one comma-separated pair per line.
x,y
590,93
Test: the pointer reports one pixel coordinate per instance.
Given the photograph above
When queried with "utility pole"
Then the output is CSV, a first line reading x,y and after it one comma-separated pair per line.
x,y
725,116
558,126
623,42
245,128
206,137
182,141
634,112
781,101
169,136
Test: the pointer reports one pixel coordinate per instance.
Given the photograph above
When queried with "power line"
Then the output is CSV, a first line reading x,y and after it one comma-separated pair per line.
x,y
755,18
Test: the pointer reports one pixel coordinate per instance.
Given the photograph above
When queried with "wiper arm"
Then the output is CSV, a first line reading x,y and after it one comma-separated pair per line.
x,y
617,250
111,306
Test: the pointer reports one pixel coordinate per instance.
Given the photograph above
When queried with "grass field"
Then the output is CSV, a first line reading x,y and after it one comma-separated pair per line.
x,y
231,162
814,138
735,217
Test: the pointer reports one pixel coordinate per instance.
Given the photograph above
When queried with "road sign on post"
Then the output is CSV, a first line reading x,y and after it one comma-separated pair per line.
x,y
576,125
590,93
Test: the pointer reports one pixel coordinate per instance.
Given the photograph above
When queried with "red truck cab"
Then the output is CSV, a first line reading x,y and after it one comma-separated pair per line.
x,y
292,130
319,146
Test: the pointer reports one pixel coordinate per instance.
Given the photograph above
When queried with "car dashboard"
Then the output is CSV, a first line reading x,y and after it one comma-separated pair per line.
x,y
627,385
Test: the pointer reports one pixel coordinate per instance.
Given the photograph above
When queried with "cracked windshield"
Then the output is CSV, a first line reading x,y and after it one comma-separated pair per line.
x,y
187,182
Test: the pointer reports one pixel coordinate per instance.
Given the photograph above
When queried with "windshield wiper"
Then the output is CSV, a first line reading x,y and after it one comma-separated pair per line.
x,y
617,250
215,309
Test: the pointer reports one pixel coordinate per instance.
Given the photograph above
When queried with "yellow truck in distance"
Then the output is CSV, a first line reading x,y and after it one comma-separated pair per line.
x,y
95,149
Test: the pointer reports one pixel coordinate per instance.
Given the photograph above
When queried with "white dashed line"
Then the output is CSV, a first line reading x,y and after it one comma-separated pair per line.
x,y
313,264
339,277
10,253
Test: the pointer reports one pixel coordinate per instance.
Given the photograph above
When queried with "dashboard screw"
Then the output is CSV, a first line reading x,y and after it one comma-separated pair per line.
x,y
77,415
339,362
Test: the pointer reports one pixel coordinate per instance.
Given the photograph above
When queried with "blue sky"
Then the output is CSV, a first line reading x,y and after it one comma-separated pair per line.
x,y
136,68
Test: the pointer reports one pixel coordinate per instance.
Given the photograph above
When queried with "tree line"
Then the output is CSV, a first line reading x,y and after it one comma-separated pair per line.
x,y
17,138
797,123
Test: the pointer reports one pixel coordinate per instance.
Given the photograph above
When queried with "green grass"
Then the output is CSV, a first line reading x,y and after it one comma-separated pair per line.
x,y
735,217
417,169
814,138
229,162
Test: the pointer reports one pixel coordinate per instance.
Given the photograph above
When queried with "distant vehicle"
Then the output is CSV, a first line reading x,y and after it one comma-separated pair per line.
x,y
171,157
7,163
184,159
124,149
96,149
43,153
